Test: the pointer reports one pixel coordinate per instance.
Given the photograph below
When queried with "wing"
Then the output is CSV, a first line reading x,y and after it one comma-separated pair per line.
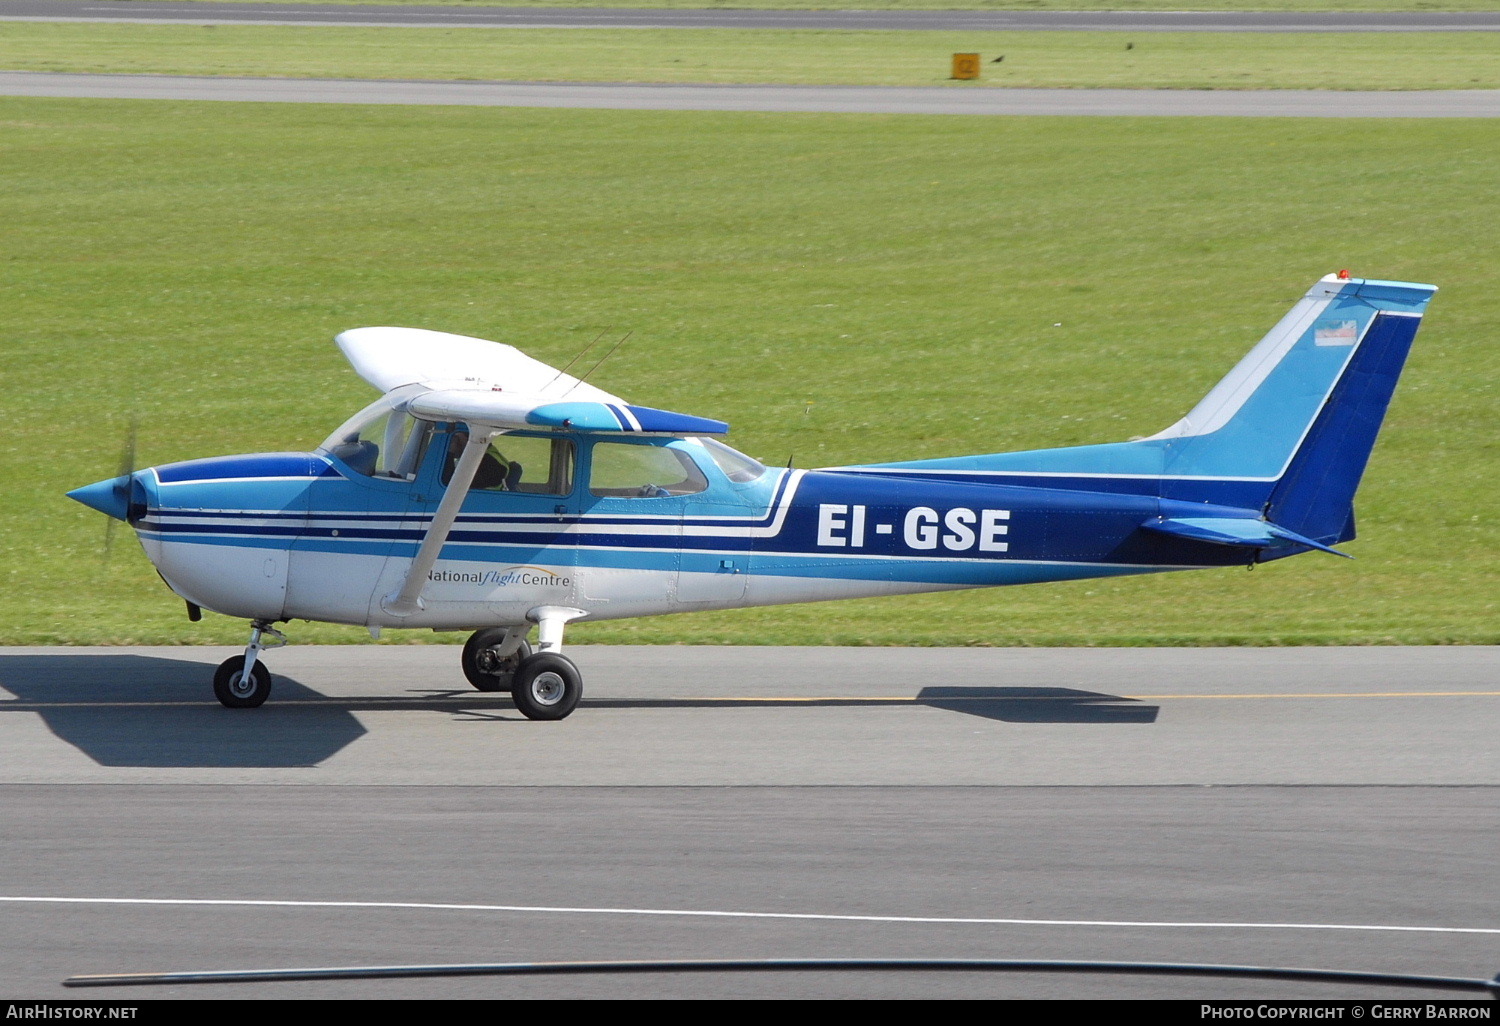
x,y
391,357
495,385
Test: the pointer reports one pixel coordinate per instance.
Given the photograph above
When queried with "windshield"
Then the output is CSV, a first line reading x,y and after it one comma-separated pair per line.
x,y
738,467
382,440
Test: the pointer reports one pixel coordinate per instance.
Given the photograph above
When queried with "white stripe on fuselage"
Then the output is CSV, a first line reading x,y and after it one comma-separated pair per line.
x,y
522,523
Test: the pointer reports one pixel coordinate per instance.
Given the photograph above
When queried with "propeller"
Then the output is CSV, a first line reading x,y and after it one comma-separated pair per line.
x,y
123,475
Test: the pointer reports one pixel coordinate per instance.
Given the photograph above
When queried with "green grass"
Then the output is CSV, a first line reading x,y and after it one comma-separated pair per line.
x,y
1004,282
1163,60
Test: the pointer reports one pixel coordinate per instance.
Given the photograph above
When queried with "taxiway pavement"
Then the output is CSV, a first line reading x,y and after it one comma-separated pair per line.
x,y
1333,808
729,716
1449,103
453,16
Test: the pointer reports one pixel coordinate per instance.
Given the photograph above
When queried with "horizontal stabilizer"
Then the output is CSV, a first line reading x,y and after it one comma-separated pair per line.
x,y
1248,532
508,411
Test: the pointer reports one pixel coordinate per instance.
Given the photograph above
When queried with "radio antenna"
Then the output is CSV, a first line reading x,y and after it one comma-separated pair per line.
x,y
601,359
575,359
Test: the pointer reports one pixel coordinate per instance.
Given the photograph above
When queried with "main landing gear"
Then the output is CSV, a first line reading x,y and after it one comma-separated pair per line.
x,y
545,685
243,682
492,655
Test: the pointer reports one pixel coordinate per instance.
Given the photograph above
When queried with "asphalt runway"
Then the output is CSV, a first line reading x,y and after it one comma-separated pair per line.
x,y
770,98
200,12
1331,808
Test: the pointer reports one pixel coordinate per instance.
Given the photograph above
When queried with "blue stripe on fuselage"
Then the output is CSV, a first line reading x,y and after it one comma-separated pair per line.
x,y
840,525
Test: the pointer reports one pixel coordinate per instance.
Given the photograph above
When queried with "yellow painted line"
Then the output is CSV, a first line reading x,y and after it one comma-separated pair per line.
x,y
1335,694
1097,697
213,704
1078,698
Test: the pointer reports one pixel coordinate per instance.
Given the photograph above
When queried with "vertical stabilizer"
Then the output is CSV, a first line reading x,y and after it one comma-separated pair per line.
x,y
1285,435
1311,369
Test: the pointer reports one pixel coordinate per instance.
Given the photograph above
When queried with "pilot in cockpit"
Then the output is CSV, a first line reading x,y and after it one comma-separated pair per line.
x,y
495,472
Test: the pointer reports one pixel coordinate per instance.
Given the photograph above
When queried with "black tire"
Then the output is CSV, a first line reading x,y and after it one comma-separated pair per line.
x,y
547,686
482,669
234,692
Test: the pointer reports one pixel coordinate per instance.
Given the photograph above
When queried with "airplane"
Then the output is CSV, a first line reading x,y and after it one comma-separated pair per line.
x,y
485,491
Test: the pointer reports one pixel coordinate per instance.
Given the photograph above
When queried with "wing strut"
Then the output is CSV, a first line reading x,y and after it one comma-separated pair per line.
x,y
407,599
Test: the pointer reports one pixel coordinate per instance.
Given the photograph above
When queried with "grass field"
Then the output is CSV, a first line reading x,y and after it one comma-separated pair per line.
x,y
1161,60
1006,282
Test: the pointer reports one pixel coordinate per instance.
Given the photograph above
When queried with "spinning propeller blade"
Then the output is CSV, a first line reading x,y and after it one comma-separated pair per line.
x,y
122,478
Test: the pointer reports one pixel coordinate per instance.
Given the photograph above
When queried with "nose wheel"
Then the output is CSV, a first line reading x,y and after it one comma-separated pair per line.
x,y
235,689
243,682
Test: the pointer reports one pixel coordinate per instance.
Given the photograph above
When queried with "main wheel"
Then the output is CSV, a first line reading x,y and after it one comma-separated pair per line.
x,y
234,691
483,668
547,686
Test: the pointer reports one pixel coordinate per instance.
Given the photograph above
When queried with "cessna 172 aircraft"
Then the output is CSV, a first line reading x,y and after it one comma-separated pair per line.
x,y
486,491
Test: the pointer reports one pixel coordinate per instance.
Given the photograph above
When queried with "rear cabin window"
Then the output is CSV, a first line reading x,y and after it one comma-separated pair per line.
x,y
625,471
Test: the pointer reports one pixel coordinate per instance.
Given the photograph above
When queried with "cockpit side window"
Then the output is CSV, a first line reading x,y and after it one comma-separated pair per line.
x,y
518,463
625,471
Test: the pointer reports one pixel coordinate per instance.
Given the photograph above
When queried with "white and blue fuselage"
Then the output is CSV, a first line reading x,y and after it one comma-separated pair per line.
x,y
283,536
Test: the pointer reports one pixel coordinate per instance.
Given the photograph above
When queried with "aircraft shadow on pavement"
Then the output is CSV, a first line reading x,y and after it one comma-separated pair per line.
x,y
1016,705
1040,705
150,711
132,710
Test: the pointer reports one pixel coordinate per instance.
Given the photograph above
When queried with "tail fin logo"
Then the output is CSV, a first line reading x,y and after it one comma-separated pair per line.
x,y
1344,333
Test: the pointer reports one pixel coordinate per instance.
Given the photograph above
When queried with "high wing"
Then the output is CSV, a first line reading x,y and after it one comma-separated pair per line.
x,y
391,357
490,384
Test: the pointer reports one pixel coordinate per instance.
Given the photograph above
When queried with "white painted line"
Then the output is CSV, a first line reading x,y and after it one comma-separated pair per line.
x,y
720,914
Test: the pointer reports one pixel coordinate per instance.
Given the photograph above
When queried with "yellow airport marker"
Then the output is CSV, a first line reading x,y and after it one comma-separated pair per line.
x,y
966,65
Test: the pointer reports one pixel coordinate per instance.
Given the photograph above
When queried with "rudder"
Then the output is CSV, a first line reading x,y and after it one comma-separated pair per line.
x,y
1315,496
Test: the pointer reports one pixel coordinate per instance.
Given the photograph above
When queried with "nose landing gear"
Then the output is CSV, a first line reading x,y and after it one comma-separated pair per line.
x,y
243,682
